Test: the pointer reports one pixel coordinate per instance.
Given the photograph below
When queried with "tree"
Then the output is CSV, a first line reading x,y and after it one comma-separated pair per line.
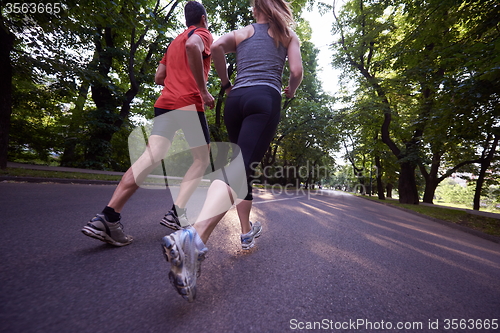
x,y
7,42
410,56
121,41
126,40
366,32
458,43
29,57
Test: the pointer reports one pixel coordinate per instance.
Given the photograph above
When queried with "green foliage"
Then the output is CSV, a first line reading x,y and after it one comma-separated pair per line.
x,y
428,71
110,49
35,123
75,73
306,133
451,192
226,16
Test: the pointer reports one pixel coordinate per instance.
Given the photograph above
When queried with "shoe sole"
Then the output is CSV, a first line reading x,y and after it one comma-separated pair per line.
x,y
252,244
102,236
171,225
248,246
173,255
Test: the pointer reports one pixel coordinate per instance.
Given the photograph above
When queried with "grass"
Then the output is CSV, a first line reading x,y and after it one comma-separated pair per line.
x,y
21,172
488,225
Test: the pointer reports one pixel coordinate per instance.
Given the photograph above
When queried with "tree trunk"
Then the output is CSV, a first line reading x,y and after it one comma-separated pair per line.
x,y
485,164
7,45
479,186
106,102
380,185
389,188
432,178
407,186
430,189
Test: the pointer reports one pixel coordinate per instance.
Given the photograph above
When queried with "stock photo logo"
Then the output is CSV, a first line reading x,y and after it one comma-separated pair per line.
x,y
162,156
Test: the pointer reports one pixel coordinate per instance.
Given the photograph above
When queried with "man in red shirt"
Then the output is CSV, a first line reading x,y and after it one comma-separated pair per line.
x,y
183,72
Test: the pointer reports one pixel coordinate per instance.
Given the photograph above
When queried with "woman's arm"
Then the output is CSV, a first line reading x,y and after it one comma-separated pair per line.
x,y
295,64
219,49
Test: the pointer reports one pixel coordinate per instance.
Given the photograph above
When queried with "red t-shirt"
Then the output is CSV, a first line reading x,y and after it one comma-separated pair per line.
x,y
180,88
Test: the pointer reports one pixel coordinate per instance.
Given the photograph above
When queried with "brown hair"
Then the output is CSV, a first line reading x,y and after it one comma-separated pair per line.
x,y
280,18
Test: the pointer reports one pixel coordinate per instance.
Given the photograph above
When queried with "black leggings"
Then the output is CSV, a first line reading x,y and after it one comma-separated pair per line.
x,y
251,116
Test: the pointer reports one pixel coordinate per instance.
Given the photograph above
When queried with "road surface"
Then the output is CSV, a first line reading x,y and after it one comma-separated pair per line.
x,y
331,262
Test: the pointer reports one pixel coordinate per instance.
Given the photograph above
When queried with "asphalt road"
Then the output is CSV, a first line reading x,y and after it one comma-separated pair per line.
x,y
329,261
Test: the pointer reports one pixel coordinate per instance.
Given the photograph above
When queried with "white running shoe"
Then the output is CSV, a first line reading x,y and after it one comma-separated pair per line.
x,y
185,259
248,239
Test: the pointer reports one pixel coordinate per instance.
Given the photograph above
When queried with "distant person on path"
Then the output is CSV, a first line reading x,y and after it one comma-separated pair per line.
x,y
251,115
183,72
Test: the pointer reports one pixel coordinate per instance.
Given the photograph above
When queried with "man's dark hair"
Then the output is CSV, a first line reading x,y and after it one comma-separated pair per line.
x,y
193,12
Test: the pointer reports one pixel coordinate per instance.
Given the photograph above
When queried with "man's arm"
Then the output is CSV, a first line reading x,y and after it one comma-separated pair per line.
x,y
161,74
194,51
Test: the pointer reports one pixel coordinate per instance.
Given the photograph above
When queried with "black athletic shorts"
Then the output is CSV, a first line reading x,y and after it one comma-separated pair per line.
x,y
193,124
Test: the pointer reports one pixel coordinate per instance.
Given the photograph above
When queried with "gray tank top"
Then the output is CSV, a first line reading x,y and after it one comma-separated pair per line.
x,y
258,61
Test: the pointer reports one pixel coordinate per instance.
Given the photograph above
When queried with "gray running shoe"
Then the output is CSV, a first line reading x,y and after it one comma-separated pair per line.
x,y
109,232
248,239
185,260
172,221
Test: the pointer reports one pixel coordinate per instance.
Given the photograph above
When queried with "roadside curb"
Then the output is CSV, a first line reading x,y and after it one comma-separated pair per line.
x,y
446,223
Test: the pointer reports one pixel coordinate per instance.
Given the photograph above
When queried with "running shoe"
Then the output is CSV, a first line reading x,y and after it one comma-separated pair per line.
x,y
172,221
109,232
185,259
248,239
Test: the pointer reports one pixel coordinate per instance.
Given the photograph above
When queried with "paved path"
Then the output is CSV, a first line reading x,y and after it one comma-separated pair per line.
x,y
340,261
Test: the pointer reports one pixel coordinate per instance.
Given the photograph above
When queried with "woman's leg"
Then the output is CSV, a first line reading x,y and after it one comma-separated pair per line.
x,y
244,208
252,123
220,197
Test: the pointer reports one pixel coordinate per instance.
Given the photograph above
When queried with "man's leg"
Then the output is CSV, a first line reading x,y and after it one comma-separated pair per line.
x,y
106,226
176,217
192,178
155,151
195,128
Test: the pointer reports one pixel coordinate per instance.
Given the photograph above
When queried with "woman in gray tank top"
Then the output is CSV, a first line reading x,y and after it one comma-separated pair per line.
x,y
253,105
251,116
